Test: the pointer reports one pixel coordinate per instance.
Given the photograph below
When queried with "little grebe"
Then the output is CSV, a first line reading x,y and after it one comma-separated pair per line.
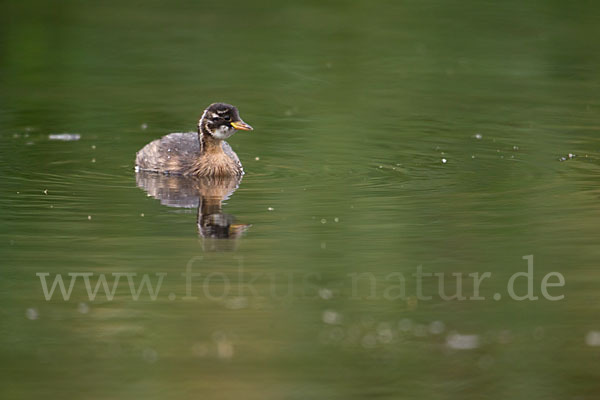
x,y
205,153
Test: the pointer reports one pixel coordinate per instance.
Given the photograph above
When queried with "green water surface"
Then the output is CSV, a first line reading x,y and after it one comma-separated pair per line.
x,y
388,135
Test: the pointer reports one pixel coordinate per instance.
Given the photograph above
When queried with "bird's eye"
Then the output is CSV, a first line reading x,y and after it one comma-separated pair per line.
x,y
226,117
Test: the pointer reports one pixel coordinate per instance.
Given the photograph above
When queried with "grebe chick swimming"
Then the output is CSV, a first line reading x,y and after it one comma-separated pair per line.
x,y
204,154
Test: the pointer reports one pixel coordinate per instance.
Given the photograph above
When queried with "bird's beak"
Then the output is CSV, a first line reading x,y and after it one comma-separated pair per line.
x,y
241,125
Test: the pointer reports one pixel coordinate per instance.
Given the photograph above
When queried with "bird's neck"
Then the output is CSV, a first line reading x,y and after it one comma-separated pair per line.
x,y
208,143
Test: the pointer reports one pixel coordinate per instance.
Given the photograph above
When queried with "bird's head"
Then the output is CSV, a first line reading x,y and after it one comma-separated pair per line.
x,y
221,120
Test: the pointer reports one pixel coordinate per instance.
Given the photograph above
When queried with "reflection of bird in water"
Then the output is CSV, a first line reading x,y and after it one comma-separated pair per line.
x,y
205,194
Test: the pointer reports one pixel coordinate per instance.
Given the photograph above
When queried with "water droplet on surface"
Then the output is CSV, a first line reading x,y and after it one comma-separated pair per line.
x,y
457,341
225,349
331,317
385,333
66,137
592,338
31,314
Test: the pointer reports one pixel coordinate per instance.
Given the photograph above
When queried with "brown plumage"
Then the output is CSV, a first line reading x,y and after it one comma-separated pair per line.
x,y
204,154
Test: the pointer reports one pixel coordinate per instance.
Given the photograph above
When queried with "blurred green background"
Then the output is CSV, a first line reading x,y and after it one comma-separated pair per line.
x,y
388,135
